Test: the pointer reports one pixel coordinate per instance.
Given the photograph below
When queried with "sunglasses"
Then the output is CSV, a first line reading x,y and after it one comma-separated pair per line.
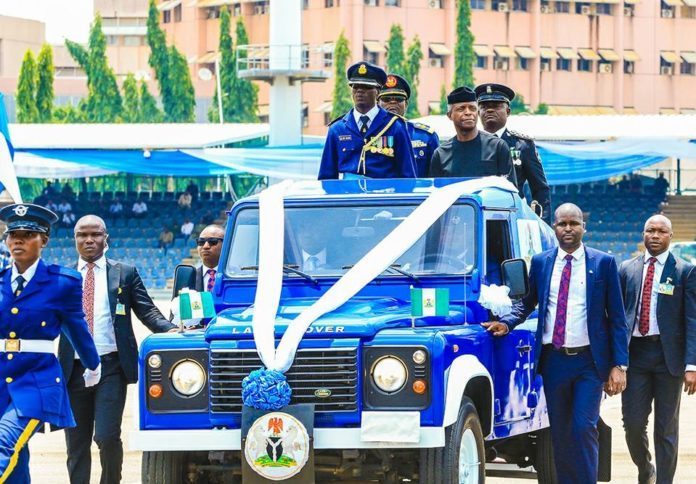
x,y
213,241
392,99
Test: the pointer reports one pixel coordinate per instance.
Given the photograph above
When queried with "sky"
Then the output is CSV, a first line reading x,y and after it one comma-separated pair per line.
x,y
63,18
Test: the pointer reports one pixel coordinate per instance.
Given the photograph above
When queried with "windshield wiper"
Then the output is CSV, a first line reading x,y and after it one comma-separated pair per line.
x,y
291,268
395,268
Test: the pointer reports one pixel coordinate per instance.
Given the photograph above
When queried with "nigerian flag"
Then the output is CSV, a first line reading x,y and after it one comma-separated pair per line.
x,y
196,305
429,302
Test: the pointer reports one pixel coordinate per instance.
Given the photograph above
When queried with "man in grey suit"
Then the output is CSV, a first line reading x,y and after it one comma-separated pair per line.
x,y
659,293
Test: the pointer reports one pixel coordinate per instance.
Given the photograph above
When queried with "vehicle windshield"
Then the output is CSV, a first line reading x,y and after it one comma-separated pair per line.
x,y
327,241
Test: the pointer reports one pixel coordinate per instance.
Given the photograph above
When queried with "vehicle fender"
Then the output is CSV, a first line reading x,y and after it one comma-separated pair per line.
x,y
464,370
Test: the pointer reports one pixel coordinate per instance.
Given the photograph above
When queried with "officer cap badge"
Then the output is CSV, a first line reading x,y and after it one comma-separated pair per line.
x,y
391,81
362,70
489,89
20,210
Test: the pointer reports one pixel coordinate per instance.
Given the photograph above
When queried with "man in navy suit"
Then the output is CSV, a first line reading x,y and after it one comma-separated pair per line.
x,y
581,339
660,295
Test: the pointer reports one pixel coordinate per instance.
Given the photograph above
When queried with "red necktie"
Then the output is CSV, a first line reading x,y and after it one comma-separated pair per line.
x,y
211,280
646,296
88,297
559,327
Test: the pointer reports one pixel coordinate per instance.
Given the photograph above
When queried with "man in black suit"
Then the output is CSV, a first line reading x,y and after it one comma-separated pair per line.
x,y
659,293
209,245
111,289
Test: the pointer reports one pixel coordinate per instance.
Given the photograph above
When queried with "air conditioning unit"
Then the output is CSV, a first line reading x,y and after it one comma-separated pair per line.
x,y
434,3
585,10
503,7
606,68
500,65
545,66
667,13
628,12
435,62
666,70
546,9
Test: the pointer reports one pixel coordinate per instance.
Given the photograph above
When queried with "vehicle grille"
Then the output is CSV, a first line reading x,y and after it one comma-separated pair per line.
x,y
335,370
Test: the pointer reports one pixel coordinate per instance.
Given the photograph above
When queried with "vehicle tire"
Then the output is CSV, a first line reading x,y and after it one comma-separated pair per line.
x,y
543,458
462,459
163,468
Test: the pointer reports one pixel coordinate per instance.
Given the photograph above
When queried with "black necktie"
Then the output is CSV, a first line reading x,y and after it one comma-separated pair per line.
x,y
364,119
20,286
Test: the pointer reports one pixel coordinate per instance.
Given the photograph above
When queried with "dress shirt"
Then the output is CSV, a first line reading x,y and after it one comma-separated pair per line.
x,y
27,275
104,335
320,256
187,228
206,277
372,113
498,133
659,267
139,207
576,315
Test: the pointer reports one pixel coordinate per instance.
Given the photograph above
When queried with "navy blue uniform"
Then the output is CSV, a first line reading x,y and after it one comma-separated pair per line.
x,y
424,141
32,386
383,152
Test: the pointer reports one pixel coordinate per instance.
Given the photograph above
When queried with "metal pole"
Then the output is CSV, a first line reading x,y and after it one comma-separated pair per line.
x,y
679,176
219,89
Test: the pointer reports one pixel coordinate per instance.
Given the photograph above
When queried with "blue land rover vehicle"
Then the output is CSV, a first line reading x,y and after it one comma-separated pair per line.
x,y
447,396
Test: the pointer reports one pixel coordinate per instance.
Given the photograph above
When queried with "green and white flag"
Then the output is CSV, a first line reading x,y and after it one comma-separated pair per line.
x,y
429,302
196,305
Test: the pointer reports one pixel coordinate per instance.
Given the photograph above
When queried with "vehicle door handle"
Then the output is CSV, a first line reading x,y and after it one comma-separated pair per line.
x,y
524,348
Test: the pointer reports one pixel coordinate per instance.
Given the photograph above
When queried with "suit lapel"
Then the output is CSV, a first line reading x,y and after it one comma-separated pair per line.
x,y
376,124
39,279
350,123
113,277
548,273
7,285
667,273
590,271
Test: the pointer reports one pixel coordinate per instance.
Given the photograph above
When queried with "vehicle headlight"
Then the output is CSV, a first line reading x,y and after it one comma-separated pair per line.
x,y
389,374
188,377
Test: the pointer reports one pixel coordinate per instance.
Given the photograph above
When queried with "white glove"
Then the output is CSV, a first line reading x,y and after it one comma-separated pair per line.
x,y
92,377
176,316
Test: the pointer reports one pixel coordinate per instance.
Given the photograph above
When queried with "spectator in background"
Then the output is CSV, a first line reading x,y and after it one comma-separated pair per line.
x,y
49,190
116,208
67,192
186,229
64,206
166,237
139,208
51,206
661,185
192,190
67,220
636,183
185,201
207,218
5,257
624,184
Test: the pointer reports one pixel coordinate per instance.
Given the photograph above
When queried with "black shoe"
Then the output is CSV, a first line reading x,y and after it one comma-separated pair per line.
x,y
652,478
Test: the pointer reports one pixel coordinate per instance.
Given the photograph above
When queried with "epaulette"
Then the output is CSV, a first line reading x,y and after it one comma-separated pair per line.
x,y
336,119
423,127
519,135
64,271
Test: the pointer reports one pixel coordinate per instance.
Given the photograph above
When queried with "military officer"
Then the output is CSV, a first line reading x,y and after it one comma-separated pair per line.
x,y
494,109
37,302
394,98
367,141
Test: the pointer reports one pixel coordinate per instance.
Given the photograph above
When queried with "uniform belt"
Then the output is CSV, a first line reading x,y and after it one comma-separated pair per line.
x,y
652,337
569,351
27,346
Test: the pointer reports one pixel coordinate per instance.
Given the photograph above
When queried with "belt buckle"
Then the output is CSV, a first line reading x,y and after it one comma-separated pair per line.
x,y
12,345
571,351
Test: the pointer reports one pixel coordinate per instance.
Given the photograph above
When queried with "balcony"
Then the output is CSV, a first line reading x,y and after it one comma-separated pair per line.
x,y
301,63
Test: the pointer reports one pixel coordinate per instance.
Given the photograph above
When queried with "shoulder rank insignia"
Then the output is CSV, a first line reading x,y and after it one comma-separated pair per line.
x,y
424,127
336,119
519,135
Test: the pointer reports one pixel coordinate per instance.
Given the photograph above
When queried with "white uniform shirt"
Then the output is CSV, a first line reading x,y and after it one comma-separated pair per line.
x,y
104,336
576,314
27,275
372,114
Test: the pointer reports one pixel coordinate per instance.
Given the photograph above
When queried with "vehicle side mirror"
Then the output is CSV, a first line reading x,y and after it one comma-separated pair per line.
x,y
184,276
515,277
537,208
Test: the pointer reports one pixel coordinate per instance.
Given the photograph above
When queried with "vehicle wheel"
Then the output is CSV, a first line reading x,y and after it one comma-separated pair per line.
x,y
462,460
163,468
543,458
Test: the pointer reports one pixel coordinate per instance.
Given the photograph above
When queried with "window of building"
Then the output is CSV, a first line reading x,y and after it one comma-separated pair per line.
x,y
666,67
522,64
481,62
133,40
499,5
328,50
327,118
501,63
305,116
212,13
237,9
687,69
582,8
177,13
667,11
688,12
372,57
545,65
111,40
261,8
372,3
563,65
478,4
305,4
166,16
584,65
629,67
330,3
519,5
562,7
603,8
435,3
435,61
392,3
546,6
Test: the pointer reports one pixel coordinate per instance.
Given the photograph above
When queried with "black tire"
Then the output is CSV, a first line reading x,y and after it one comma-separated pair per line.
x,y
543,458
441,465
163,468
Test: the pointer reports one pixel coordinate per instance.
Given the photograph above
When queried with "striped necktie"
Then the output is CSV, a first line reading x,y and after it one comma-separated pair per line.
x,y
646,298
88,297
559,327
211,280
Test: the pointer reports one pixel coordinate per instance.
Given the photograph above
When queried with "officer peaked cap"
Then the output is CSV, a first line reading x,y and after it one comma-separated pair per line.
x,y
395,86
27,216
494,92
367,74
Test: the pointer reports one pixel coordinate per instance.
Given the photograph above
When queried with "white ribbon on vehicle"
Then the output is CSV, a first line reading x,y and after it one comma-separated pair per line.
x,y
496,299
270,277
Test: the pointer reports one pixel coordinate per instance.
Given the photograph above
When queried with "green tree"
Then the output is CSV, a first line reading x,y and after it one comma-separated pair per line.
x,y
518,106
131,100
342,101
246,92
26,90
159,56
227,71
103,103
182,111
464,49
149,112
411,70
542,108
44,88
68,114
395,50
443,100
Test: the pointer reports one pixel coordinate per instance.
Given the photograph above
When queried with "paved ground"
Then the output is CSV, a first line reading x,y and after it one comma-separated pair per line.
x,y
48,451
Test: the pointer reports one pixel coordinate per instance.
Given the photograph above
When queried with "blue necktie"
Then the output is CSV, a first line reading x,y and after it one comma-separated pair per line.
x,y
364,119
